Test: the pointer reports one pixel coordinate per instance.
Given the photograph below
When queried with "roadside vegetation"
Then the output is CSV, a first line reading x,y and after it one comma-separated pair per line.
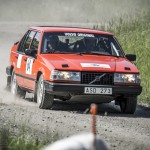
x,y
19,142
9,140
134,37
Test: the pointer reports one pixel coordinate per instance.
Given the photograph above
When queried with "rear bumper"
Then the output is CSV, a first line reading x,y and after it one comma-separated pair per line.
x,y
79,88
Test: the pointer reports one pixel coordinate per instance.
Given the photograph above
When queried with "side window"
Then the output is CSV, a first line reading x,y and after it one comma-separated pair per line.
x,y
20,48
28,40
35,42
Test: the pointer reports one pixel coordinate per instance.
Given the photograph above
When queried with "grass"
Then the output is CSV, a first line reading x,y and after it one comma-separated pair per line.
x,y
20,142
134,37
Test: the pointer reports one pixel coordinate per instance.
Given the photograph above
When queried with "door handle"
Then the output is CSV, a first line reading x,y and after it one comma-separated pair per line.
x,y
25,59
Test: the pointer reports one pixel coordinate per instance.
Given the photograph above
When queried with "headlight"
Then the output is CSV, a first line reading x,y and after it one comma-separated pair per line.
x,y
127,78
65,75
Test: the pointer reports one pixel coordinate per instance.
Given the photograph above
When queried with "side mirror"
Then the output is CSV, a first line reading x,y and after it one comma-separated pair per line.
x,y
31,52
28,52
16,43
131,57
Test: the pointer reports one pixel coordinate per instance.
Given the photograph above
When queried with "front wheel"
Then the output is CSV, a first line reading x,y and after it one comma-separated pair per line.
x,y
45,100
15,89
128,105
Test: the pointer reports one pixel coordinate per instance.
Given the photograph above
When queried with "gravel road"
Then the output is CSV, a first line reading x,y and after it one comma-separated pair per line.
x,y
67,118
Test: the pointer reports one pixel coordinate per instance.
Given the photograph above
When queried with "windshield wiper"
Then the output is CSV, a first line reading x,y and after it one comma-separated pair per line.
x,y
56,52
93,53
47,52
80,53
96,53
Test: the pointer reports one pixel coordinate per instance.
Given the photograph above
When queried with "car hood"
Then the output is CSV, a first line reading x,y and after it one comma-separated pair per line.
x,y
76,62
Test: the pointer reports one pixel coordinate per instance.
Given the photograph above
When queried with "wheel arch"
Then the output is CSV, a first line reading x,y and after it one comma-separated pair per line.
x,y
38,75
11,69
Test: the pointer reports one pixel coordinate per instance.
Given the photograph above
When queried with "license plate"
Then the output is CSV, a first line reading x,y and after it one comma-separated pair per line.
x,y
95,90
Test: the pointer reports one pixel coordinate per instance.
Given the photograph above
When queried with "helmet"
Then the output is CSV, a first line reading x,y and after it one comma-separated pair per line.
x,y
90,43
53,38
52,41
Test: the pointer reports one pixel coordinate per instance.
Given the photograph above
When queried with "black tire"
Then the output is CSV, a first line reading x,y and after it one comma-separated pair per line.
x,y
15,89
45,100
128,105
35,93
8,86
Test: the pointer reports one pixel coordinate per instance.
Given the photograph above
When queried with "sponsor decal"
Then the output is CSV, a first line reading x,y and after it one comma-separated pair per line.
x,y
19,61
80,34
29,65
70,34
95,65
85,35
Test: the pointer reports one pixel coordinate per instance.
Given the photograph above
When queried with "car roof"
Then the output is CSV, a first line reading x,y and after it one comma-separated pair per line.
x,y
68,29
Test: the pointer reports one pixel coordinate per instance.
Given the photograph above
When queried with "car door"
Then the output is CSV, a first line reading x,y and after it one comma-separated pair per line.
x,y
18,59
30,61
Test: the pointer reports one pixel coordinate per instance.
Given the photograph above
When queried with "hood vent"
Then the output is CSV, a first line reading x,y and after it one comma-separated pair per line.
x,y
65,66
127,68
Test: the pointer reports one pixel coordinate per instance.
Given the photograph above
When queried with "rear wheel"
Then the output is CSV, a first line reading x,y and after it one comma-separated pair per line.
x,y
15,89
8,86
35,93
45,100
128,105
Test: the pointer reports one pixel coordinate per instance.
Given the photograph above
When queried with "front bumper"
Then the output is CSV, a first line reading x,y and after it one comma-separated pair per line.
x,y
79,88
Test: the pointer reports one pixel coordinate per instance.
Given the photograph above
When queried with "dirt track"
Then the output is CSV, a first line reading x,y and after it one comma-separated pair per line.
x,y
118,130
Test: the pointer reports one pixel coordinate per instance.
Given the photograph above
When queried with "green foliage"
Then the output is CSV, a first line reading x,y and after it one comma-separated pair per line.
x,y
18,142
134,37
21,143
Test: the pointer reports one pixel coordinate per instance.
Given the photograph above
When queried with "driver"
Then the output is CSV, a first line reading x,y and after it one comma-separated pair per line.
x,y
89,43
85,45
54,44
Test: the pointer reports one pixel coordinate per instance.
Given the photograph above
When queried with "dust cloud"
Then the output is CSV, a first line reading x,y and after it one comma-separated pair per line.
x,y
69,11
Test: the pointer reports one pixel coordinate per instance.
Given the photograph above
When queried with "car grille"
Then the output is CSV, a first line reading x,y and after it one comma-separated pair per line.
x,y
88,77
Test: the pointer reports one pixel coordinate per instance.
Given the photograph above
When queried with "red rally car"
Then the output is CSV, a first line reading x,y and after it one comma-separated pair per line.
x,y
62,62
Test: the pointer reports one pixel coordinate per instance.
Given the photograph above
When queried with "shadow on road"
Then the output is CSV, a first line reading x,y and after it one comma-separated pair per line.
x,y
109,109
81,106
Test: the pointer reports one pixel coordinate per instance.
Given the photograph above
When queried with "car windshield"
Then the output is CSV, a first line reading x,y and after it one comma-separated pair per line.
x,y
80,43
